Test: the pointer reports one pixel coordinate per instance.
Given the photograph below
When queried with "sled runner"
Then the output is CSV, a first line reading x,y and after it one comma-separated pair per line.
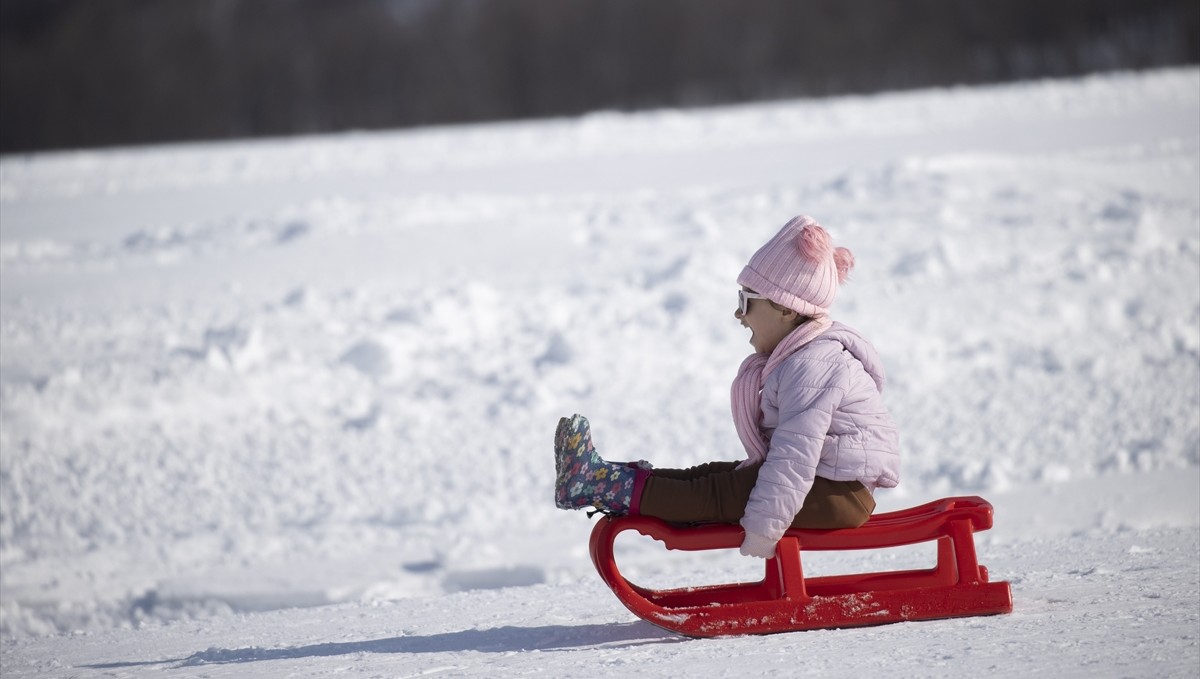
x,y
784,600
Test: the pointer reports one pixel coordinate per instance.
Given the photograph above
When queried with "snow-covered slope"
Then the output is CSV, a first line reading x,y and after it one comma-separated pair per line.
x,y
284,407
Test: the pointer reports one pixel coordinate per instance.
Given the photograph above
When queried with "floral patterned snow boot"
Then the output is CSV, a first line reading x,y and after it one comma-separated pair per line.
x,y
583,478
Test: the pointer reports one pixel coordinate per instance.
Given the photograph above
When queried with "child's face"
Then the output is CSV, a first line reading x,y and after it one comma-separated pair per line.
x,y
768,325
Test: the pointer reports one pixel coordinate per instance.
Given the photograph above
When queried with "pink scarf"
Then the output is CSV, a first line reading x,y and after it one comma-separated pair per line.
x,y
747,387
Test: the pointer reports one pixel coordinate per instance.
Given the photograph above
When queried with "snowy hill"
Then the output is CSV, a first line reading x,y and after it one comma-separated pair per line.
x,y
284,407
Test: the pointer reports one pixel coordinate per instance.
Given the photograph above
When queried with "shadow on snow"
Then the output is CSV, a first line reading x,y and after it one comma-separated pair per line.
x,y
495,640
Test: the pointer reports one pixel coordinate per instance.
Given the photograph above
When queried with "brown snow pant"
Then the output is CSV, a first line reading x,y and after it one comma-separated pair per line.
x,y
717,492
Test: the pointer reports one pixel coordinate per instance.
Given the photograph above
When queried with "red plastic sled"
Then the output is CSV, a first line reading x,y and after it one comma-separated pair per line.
x,y
785,601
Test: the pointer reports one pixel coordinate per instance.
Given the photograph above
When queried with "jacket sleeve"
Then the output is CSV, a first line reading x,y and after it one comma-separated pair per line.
x,y
809,392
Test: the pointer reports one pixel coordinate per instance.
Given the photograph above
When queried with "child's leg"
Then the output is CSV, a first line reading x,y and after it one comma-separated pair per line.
x,y
712,492
718,492
695,472
835,504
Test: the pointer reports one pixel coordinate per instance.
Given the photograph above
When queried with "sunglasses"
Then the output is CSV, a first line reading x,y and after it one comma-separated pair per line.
x,y
744,297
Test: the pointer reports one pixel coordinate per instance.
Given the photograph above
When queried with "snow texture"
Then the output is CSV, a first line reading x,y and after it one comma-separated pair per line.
x,y
285,408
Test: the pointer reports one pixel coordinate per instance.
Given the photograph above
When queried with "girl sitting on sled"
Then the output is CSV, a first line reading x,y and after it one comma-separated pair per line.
x,y
806,406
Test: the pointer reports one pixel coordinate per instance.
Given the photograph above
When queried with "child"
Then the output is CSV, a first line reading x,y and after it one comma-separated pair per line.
x,y
806,405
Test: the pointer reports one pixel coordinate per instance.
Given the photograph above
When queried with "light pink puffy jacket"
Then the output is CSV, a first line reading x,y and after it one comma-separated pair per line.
x,y
825,417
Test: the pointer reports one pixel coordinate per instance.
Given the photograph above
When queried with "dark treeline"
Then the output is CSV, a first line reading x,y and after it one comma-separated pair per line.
x,y
81,73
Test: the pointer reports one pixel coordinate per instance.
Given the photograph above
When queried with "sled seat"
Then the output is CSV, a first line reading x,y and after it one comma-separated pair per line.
x,y
784,600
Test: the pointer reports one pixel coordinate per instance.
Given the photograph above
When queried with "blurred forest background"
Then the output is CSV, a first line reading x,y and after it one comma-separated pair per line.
x,y
86,73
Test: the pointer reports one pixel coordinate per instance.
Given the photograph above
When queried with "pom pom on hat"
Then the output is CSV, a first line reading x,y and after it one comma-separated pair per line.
x,y
814,242
844,260
799,268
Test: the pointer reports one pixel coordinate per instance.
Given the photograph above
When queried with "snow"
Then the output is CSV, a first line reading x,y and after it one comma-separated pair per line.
x,y
284,407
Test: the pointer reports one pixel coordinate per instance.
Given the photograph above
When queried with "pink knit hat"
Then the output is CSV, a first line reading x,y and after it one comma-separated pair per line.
x,y
799,268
